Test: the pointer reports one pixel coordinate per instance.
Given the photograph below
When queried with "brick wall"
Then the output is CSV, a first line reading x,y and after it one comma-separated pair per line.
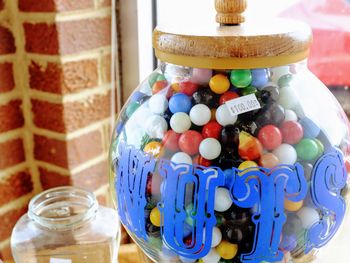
x,y
55,93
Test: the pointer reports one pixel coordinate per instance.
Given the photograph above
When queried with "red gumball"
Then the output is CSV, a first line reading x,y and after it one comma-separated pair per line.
x,y
227,96
159,85
212,130
188,88
292,132
189,142
201,161
270,137
171,140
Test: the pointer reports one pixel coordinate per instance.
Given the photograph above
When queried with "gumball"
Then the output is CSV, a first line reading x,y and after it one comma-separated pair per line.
x,y
216,237
158,103
270,137
206,97
230,137
290,116
260,77
320,145
224,116
293,224
187,260
212,130
200,114
269,160
232,233
152,230
219,84
286,154
289,242
288,97
211,257
269,94
278,72
171,140
201,161
248,90
311,130
308,168
247,164
223,200
307,149
250,147
180,103
188,88
227,96
201,76
241,78
131,108
189,142
154,77
285,80
153,148
155,217
247,126
277,114
308,216
292,132
156,126
181,158
180,122
227,250
159,86
292,206
210,148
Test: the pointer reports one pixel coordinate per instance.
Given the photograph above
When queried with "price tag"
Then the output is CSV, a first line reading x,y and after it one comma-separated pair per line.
x,y
243,104
59,260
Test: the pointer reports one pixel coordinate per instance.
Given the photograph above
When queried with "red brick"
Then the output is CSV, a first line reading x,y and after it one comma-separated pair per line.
x,y
7,41
106,3
2,4
11,116
9,220
7,82
11,153
71,116
106,63
54,5
15,186
68,37
91,178
62,79
68,154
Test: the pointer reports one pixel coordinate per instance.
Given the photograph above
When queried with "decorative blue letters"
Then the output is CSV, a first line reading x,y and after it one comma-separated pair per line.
x,y
132,169
267,189
328,179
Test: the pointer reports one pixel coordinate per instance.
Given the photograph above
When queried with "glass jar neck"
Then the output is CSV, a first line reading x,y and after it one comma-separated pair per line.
x,y
63,208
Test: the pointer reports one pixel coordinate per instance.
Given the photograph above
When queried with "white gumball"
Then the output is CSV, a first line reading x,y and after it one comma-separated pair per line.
x,y
180,122
224,116
156,126
216,237
223,200
210,148
158,103
290,116
181,157
308,216
200,114
288,97
286,154
278,72
211,257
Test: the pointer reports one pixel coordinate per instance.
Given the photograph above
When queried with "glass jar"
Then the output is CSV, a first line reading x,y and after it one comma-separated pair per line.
x,y
232,150
65,225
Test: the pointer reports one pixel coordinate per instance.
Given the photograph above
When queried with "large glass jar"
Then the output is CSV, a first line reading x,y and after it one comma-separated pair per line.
x,y
223,155
66,225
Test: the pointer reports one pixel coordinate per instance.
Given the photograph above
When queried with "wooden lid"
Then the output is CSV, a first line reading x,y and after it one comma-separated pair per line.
x,y
253,44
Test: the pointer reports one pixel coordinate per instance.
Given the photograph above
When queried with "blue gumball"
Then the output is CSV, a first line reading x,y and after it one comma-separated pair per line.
x,y
180,103
260,78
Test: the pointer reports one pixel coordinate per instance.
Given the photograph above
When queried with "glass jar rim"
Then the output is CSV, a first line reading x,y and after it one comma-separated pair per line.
x,y
63,201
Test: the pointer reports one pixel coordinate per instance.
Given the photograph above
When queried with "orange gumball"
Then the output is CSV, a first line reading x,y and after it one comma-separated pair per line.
x,y
250,147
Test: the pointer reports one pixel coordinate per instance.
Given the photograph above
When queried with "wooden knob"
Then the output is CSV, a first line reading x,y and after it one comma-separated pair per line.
x,y
230,11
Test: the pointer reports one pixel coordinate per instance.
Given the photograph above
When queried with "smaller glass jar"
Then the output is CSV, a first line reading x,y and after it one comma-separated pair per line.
x,y
65,225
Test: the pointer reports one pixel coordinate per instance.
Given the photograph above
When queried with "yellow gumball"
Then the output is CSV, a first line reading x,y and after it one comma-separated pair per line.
x,y
227,250
293,206
153,148
219,84
155,217
248,164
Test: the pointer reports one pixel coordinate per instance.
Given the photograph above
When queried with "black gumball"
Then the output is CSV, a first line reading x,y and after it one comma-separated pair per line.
x,y
277,114
227,160
238,216
206,97
230,137
269,94
247,126
232,233
152,230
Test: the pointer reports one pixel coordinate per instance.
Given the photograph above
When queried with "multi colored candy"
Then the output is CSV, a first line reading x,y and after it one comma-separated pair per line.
x,y
187,120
